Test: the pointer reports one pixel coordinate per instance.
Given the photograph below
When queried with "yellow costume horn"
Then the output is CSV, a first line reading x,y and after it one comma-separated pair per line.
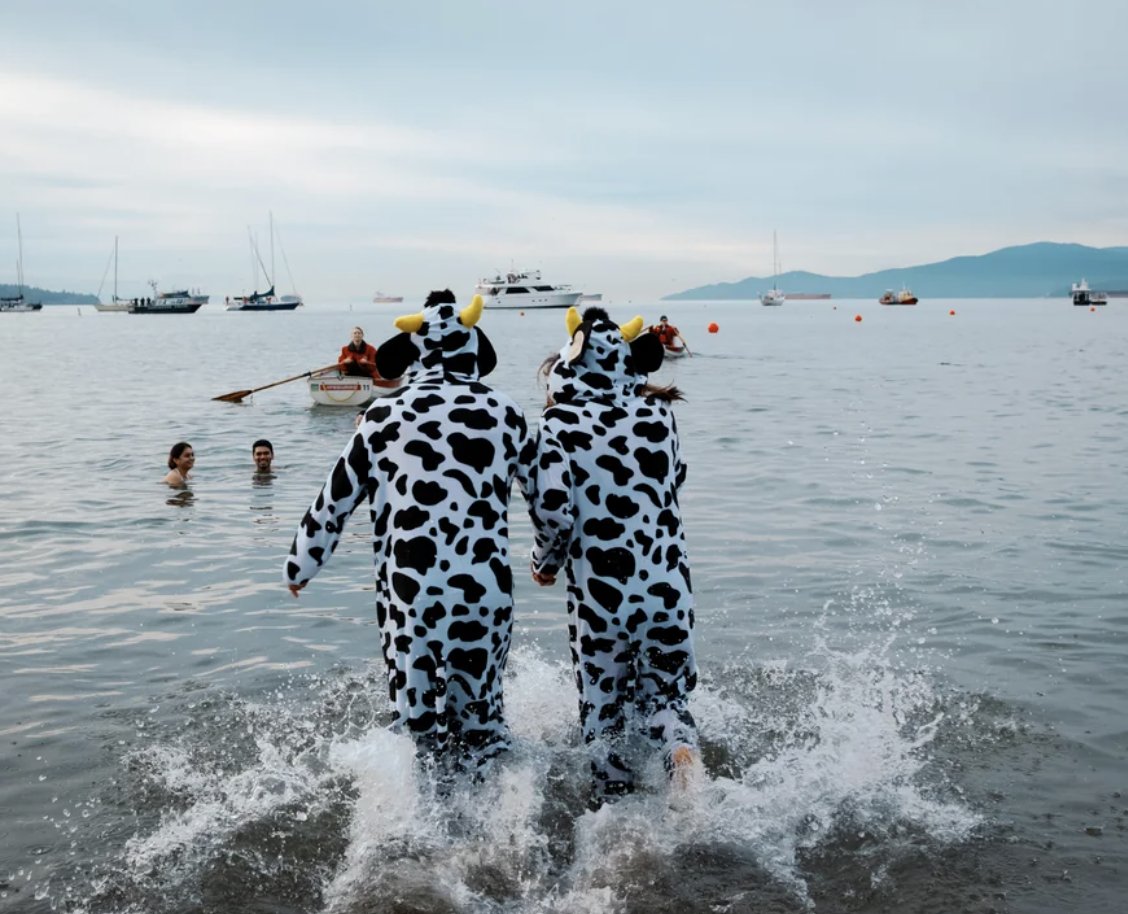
x,y
572,320
632,328
410,323
472,313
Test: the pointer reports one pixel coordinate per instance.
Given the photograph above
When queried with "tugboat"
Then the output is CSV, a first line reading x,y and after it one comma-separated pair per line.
x,y
1083,295
904,297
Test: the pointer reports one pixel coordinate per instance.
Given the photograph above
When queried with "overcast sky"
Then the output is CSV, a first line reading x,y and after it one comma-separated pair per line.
x,y
632,148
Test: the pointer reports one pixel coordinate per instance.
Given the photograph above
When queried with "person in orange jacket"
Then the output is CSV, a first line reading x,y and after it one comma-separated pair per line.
x,y
666,332
358,358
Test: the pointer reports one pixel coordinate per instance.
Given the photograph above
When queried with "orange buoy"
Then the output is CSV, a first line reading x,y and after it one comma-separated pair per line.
x,y
951,312
857,318
713,327
1091,308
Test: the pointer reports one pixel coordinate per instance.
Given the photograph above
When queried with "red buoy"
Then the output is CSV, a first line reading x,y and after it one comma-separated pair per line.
x,y
713,327
857,318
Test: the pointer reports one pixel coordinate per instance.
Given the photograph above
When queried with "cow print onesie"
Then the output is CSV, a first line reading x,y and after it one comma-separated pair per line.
x,y
605,507
436,459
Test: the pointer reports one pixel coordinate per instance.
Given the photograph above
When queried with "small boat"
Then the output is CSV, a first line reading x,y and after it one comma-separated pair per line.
x,y
904,297
381,299
525,290
676,349
13,304
115,304
773,298
264,301
1083,295
335,388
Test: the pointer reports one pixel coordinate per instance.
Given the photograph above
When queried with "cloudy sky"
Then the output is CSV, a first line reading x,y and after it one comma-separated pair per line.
x,y
634,148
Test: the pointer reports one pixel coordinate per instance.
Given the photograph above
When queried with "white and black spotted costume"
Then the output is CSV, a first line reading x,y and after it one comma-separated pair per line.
x,y
605,507
436,459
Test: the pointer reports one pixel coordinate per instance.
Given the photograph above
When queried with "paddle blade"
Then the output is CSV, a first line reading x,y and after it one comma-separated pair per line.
x,y
234,397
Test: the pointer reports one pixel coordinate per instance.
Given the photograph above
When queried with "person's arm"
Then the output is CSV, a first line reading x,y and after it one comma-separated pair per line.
x,y
320,530
552,509
345,357
680,469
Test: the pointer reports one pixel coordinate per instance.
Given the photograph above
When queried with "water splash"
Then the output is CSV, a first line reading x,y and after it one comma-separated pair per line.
x,y
305,801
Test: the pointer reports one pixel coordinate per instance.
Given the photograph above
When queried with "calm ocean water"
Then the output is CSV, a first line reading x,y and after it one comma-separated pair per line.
x,y
909,539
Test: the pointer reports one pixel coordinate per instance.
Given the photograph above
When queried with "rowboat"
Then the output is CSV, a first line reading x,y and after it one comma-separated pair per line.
x,y
333,388
675,350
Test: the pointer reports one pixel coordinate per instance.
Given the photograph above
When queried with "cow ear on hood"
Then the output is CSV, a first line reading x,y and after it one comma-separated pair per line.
x,y
647,353
395,356
487,357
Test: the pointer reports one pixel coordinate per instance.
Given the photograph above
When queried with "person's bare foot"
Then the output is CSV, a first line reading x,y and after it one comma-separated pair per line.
x,y
686,769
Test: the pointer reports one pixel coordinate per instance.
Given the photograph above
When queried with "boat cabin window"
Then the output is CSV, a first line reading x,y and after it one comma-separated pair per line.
x,y
542,288
516,290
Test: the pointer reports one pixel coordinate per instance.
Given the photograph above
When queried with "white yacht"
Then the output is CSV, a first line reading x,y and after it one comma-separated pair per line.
x,y
525,290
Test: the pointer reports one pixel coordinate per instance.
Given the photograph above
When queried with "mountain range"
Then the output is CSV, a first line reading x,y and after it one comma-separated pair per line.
x,y
1043,269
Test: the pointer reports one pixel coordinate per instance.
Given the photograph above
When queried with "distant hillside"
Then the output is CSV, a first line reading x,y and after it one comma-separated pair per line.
x,y
31,293
1028,271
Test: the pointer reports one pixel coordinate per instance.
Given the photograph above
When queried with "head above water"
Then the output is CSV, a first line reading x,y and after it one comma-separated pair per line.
x,y
181,453
262,452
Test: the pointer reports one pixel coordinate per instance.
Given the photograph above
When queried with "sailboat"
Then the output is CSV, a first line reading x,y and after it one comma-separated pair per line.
x,y
115,304
15,303
265,301
774,296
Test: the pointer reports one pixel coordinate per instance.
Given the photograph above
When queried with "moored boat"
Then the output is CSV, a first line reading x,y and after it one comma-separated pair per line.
x,y
773,298
264,301
904,297
181,301
115,304
381,299
1083,295
525,290
13,304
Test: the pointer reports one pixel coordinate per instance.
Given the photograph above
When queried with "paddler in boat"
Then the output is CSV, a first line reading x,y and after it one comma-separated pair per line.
x,y
667,333
358,359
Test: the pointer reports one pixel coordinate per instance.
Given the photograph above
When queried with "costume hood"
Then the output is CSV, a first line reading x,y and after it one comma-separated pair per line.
x,y
439,341
602,361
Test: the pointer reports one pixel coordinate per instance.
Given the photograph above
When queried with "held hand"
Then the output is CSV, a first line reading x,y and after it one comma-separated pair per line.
x,y
295,589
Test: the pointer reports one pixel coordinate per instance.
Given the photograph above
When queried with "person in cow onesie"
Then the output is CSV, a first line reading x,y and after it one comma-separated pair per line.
x,y
604,506
435,460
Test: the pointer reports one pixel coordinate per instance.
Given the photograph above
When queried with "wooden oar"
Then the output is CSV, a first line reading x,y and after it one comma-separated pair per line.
x,y
236,395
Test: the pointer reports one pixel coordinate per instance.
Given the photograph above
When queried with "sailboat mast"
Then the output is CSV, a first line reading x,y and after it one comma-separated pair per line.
x,y
115,266
19,256
272,273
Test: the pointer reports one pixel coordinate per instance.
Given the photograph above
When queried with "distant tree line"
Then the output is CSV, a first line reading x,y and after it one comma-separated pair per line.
x,y
49,297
